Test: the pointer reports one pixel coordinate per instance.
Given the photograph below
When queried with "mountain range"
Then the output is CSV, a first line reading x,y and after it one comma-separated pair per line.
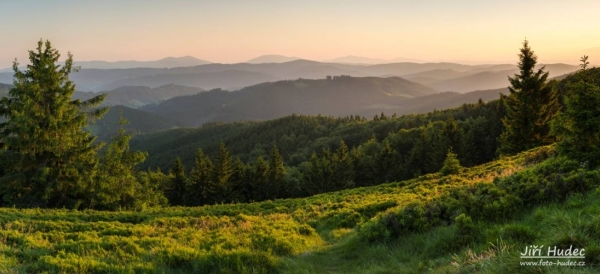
x,y
338,96
441,76
173,106
359,60
271,58
169,62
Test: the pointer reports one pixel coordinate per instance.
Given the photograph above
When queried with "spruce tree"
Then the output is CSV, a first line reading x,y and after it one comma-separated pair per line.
x,y
318,173
362,167
178,184
578,126
530,107
343,167
386,163
116,184
260,180
200,189
276,173
451,164
420,156
238,181
453,136
222,171
52,158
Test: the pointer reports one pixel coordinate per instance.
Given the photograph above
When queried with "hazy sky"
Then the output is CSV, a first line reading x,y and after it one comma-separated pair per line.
x,y
229,31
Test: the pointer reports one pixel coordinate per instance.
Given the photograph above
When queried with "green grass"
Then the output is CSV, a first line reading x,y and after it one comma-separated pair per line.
x,y
444,224
494,249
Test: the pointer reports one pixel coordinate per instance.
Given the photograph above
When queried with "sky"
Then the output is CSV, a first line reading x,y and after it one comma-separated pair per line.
x,y
227,31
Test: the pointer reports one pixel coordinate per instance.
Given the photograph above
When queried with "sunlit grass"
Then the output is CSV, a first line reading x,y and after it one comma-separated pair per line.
x,y
351,231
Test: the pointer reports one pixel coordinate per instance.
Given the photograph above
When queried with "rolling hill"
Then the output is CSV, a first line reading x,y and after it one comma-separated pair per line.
x,y
339,96
479,79
444,100
137,96
476,81
433,76
139,122
230,79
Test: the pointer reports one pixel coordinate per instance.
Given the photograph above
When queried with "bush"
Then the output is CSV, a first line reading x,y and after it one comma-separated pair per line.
x,y
465,230
451,165
553,180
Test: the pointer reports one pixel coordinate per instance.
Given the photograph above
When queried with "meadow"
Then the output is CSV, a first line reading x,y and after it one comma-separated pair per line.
x,y
479,219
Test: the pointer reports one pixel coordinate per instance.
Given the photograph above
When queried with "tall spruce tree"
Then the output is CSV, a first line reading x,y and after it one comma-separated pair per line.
x,y
223,169
318,173
578,126
259,181
238,181
178,182
420,156
200,188
530,107
276,174
385,166
343,167
52,158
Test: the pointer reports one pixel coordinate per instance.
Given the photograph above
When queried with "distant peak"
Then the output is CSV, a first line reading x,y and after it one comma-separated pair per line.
x,y
187,57
271,58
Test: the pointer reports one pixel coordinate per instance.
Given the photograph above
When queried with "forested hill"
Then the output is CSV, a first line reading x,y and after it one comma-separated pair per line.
x,y
337,96
476,125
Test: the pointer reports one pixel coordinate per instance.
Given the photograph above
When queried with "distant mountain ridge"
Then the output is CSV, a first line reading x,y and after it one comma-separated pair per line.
x,y
492,79
236,76
229,79
272,58
337,96
168,62
351,59
137,96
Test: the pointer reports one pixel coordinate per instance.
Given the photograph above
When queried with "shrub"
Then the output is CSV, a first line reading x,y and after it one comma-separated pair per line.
x,y
465,230
451,164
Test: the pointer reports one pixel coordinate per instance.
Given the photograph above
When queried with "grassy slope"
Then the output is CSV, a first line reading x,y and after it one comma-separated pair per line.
x,y
497,251
319,234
